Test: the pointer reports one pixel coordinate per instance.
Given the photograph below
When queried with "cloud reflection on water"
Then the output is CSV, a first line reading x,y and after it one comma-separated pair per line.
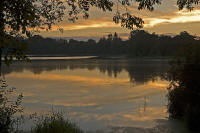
x,y
92,98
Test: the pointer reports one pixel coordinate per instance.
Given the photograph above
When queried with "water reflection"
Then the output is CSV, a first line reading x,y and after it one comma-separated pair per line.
x,y
140,71
95,93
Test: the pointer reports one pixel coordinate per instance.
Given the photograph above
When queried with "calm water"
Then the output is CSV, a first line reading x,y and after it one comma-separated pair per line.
x,y
94,93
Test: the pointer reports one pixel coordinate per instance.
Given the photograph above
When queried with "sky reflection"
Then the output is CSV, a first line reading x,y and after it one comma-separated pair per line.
x,y
92,98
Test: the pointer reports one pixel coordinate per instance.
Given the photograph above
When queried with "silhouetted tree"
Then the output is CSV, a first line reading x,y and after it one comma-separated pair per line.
x,y
17,17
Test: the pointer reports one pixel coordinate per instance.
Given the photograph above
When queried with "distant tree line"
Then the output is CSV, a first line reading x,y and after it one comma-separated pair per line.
x,y
140,43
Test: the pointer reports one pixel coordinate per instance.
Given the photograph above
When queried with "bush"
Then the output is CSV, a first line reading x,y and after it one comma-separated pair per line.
x,y
55,123
184,89
9,106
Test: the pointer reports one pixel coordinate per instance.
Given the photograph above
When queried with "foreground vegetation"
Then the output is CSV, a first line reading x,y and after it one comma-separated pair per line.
x,y
8,108
184,89
11,116
54,123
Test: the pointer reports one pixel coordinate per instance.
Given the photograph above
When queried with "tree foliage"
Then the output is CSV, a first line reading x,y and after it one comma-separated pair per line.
x,y
19,18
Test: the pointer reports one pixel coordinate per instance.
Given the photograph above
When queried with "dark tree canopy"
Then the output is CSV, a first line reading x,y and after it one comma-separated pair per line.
x,y
18,18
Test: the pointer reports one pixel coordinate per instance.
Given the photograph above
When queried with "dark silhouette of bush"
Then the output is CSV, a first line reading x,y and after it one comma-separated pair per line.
x,y
54,123
184,89
8,108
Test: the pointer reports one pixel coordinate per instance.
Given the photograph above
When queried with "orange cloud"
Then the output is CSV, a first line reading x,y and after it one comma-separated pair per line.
x,y
183,16
151,19
86,26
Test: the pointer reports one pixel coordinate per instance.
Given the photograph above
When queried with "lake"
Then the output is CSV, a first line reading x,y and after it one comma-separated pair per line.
x,y
94,93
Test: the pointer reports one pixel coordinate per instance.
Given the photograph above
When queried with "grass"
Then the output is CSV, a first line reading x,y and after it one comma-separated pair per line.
x,y
55,123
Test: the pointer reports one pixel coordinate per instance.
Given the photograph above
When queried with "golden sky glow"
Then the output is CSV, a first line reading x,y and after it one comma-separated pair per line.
x,y
166,18
181,17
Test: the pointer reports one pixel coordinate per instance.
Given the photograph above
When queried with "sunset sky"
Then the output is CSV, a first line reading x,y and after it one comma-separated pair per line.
x,y
165,19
